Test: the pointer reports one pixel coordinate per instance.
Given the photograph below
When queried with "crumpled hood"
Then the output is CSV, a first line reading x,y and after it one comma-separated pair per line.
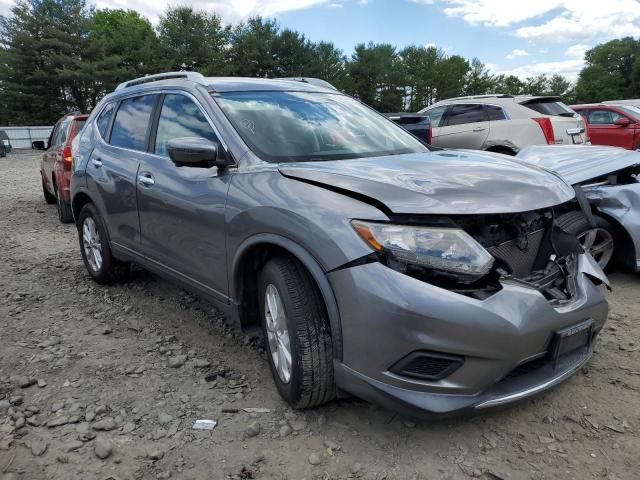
x,y
442,182
579,163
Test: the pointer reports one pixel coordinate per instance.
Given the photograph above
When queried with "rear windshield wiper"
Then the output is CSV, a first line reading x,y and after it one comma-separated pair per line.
x,y
566,114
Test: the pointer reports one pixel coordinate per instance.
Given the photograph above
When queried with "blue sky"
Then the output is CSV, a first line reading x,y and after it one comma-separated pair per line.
x,y
523,37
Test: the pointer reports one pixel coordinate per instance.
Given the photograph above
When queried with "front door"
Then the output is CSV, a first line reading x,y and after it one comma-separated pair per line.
x,y
603,130
182,209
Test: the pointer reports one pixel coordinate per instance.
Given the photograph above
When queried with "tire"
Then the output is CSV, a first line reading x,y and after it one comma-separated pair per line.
x,y
601,236
310,381
65,213
108,270
502,150
50,199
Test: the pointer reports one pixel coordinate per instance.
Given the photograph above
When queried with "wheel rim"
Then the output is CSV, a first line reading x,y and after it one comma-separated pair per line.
x,y
599,243
92,244
277,333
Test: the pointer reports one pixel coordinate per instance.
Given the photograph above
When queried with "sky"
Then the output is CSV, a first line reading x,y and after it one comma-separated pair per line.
x,y
521,37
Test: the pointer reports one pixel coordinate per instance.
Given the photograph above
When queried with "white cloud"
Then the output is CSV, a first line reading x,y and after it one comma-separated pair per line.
x,y
567,68
577,51
335,5
517,53
570,19
430,45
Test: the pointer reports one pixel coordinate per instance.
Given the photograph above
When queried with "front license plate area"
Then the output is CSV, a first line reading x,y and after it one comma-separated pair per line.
x,y
571,339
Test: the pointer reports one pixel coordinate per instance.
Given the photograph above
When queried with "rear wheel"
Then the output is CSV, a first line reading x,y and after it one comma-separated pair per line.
x,y
94,246
50,199
297,333
65,213
597,239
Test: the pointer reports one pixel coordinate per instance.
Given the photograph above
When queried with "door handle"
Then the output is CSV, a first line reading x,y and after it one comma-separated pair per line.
x,y
146,180
479,129
96,162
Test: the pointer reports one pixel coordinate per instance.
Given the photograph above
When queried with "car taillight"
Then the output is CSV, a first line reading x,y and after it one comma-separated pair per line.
x,y
547,129
66,154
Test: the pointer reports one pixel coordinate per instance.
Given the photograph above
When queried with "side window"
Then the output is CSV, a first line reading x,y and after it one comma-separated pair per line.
x,y
435,115
495,113
180,117
103,120
60,135
466,113
603,117
131,122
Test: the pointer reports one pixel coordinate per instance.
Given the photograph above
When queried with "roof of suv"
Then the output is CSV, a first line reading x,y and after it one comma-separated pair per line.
x,y
497,99
229,84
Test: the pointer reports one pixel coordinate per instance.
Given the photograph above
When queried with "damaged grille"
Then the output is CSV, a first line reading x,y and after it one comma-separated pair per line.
x,y
519,259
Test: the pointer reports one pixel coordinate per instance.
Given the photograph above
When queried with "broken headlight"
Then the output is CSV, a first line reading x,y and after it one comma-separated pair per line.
x,y
447,249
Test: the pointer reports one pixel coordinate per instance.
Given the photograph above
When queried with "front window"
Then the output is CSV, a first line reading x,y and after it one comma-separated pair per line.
x,y
303,126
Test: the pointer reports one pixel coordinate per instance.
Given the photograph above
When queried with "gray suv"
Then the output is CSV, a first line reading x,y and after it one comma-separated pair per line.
x,y
432,282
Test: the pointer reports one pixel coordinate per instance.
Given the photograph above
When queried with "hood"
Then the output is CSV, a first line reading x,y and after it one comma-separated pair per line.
x,y
579,163
442,182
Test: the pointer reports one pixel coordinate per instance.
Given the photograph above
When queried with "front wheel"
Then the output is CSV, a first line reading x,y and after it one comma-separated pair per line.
x,y
598,239
297,333
94,246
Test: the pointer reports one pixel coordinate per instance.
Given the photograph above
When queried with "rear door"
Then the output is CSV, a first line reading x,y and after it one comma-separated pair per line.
x,y
603,130
182,209
465,125
54,152
113,164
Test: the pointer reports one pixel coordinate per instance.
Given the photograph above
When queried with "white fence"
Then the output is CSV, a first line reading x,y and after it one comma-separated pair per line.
x,y
21,137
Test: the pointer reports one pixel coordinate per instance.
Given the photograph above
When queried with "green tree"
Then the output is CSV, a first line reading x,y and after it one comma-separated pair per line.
x,y
193,40
42,43
537,85
328,63
254,48
558,85
478,79
612,71
451,76
508,84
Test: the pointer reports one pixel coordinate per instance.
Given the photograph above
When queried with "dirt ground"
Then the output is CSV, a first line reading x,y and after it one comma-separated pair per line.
x,y
121,372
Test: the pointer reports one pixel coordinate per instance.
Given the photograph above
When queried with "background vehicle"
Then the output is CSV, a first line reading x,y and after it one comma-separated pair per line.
x,y
634,102
5,144
617,125
503,123
610,180
426,281
55,167
417,125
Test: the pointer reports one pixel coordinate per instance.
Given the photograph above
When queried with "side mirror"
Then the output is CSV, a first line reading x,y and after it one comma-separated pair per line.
x,y
38,145
196,152
622,121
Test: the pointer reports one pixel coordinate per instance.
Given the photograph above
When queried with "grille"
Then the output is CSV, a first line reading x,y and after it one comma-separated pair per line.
x,y
427,365
527,368
520,262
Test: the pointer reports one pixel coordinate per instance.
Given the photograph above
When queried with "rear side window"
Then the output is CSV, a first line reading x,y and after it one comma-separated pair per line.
x,y
462,114
495,113
180,117
130,125
549,106
60,135
103,120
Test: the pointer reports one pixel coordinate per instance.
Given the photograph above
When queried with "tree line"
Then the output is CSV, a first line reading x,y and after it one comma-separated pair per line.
x,y
58,56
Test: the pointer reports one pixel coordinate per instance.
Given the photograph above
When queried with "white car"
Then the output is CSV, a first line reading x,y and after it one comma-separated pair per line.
x,y
504,123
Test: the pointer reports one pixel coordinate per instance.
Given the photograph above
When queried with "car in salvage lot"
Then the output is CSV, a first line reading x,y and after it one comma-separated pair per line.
x,y
503,123
617,125
432,282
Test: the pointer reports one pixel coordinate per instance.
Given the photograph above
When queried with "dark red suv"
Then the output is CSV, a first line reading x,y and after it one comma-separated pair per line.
x,y
617,125
55,166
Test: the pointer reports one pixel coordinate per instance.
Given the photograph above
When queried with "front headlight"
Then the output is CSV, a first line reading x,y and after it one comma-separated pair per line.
x,y
447,249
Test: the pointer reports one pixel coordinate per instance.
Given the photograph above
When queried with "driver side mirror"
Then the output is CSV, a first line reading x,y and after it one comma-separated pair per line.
x,y
622,121
196,152
38,145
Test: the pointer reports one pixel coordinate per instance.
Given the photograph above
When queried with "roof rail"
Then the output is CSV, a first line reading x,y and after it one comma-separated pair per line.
x,y
193,76
489,95
318,82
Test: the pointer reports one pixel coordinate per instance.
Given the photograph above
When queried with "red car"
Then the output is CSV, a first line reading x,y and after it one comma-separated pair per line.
x,y
612,124
55,167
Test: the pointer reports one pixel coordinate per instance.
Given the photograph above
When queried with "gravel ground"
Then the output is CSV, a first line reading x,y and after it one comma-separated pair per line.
x,y
121,373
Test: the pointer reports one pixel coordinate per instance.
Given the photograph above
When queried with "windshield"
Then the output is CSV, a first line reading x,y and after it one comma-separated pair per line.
x,y
305,126
550,106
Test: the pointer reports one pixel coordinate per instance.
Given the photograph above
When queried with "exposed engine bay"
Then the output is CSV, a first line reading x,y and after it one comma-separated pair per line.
x,y
529,249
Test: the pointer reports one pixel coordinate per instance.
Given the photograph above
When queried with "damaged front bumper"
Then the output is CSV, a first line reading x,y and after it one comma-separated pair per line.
x,y
500,345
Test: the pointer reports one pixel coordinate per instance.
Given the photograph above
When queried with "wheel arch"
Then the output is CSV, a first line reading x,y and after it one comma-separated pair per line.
x,y
625,248
79,200
249,258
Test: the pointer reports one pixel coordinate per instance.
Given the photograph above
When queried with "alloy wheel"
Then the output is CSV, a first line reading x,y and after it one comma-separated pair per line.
x,y
92,244
277,333
598,242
